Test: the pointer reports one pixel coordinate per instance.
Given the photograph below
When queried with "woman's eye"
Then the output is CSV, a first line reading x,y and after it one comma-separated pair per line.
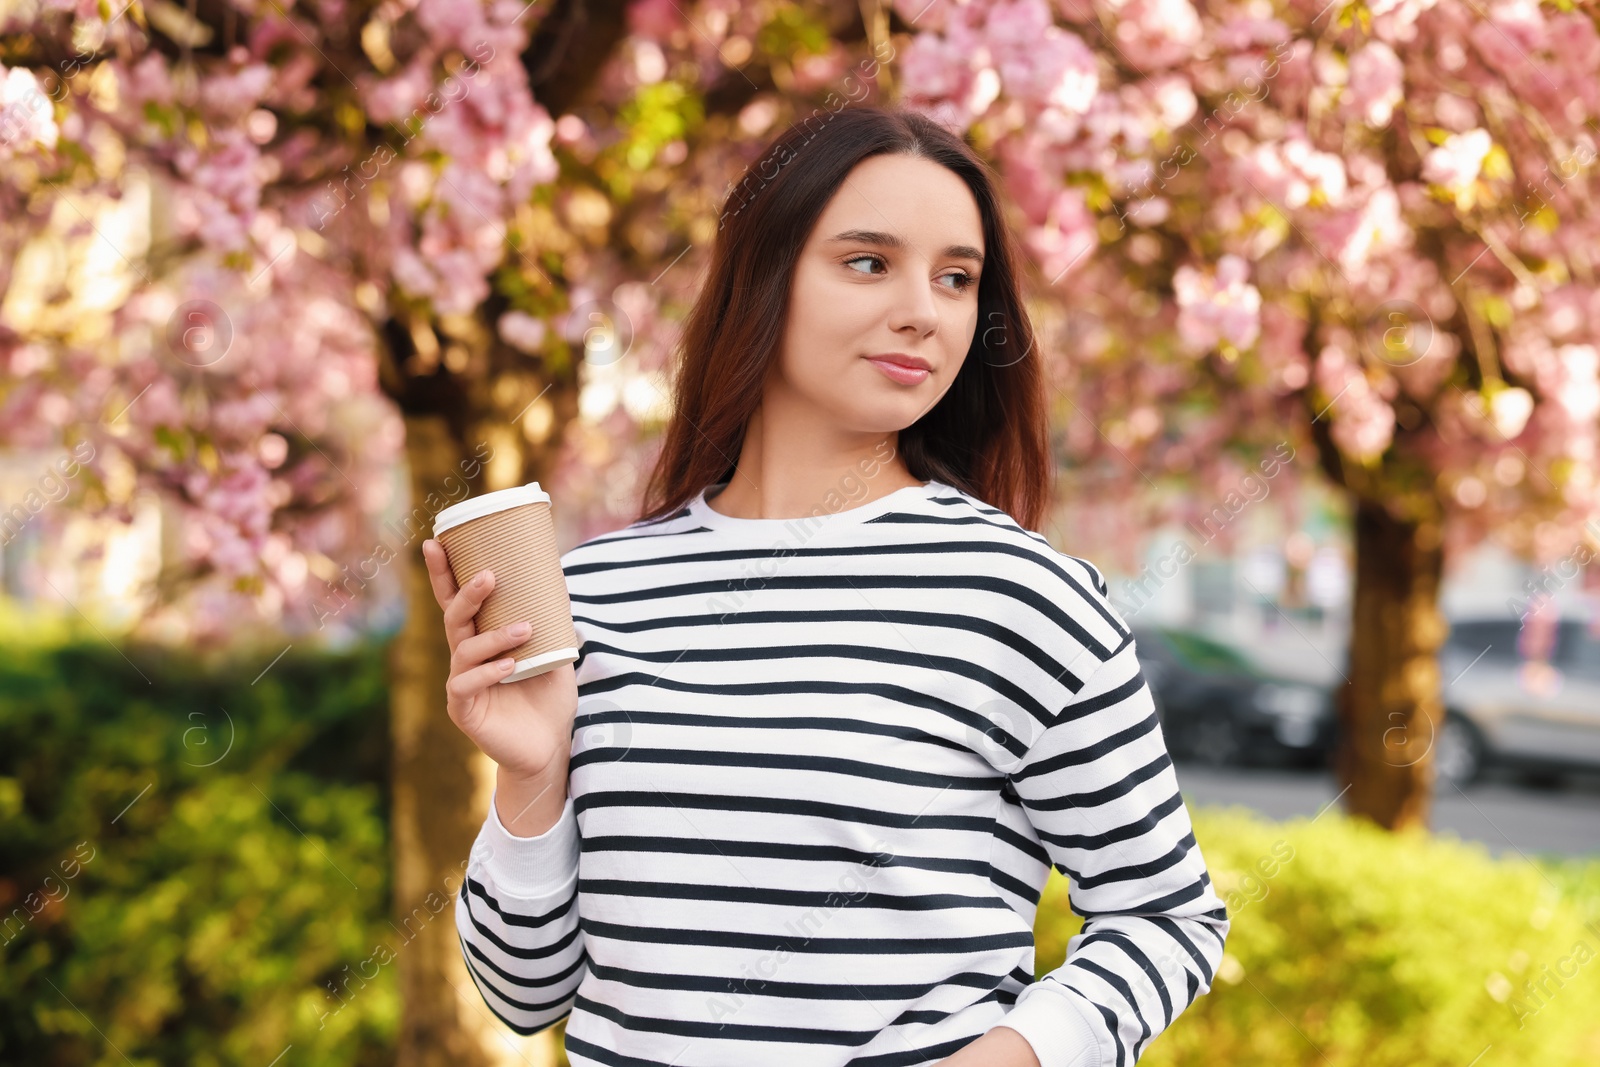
x,y
858,259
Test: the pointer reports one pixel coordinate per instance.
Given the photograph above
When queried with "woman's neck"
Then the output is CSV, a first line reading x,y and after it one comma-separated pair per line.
x,y
797,476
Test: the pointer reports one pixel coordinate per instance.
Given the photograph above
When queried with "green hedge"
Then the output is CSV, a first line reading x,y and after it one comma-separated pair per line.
x,y
1354,946
192,857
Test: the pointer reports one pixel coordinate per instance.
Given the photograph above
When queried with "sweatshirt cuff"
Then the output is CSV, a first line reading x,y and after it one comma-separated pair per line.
x,y
530,867
1054,1020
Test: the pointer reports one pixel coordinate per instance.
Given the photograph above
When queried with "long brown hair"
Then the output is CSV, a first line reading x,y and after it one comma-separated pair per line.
x,y
988,435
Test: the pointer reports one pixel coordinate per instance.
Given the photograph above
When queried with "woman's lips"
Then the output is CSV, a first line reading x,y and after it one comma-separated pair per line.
x,y
898,372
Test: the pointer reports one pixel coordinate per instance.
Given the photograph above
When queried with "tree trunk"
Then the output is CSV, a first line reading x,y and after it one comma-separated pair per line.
x,y
441,796
1390,711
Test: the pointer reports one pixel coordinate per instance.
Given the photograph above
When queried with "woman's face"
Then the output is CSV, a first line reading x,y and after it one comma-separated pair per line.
x,y
891,269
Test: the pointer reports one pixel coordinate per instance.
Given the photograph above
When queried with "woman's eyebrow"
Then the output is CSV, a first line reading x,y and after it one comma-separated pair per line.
x,y
890,240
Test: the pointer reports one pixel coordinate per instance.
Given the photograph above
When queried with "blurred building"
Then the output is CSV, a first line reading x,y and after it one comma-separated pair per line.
x,y
1284,594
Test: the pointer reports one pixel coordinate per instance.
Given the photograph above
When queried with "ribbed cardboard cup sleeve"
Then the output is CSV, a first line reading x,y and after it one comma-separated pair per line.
x,y
519,545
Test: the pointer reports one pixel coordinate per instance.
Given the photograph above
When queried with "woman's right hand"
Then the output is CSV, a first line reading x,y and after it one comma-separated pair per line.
x,y
524,726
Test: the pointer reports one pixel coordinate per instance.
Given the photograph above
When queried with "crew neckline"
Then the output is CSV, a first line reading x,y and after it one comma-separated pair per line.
x,y
846,518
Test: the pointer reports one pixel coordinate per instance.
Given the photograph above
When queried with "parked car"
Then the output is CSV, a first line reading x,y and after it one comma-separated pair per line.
x,y
1217,707
1520,695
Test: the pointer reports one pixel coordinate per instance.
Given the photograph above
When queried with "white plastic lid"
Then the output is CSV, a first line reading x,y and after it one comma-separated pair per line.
x,y
488,504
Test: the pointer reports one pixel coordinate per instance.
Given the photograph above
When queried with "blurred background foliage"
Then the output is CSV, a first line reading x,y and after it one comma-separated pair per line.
x,y
196,861
1354,945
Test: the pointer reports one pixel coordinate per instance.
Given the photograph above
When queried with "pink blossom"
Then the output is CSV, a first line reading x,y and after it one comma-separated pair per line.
x,y
1289,172
1522,22
654,19
1029,183
1281,347
450,22
522,331
147,80
1574,41
534,149
412,274
1362,422
1509,410
1066,239
937,67
26,114
1157,33
1395,20
1037,60
1238,32
1214,307
395,99
1498,49
461,283
1575,381
1455,163
227,96
470,195
1455,113
1376,84
1357,234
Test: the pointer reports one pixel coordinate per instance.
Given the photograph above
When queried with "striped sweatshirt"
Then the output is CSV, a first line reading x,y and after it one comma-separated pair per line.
x,y
820,771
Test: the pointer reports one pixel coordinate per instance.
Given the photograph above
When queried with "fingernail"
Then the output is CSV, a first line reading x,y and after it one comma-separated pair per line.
x,y
519,629
482,578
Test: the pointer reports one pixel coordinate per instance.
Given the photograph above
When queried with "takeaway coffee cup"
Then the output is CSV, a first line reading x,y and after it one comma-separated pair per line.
x,y
512,533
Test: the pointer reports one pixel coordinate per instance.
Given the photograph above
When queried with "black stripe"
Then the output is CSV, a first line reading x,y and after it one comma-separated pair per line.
x,y
1145,870
1031,849
1127,832
1078,757
1096,797
537,952
970,720
865,653
699,846
767,722
799,898
607,1057
811,809
766,987
928,1055
862,946
1126,944
1117,982
1014,885
478,962
689,757
941,582
483,991
728,1031
1188,946
514,919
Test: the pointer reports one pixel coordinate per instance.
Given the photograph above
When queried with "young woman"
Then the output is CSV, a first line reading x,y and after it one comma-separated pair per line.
x,y
839,708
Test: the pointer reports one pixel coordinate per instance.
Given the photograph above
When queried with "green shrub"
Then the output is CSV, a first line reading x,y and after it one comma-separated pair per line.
x,y
195,859
1354,946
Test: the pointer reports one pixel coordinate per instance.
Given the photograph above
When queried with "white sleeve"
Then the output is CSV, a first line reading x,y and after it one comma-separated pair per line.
x,y
517,918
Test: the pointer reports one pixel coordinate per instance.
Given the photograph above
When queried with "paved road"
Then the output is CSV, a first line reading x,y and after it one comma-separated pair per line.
x,y
1504,814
